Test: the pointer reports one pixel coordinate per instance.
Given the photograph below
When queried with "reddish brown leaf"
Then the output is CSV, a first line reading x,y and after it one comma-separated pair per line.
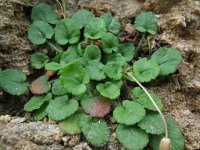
x,y
50,73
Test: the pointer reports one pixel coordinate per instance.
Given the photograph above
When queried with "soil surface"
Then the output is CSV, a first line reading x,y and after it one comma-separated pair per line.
x,y
179,27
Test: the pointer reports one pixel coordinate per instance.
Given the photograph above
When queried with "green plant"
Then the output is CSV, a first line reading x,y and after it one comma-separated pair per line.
x,y
90,74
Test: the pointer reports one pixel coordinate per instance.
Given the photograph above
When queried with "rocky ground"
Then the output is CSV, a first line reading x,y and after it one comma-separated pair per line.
x,y
179,27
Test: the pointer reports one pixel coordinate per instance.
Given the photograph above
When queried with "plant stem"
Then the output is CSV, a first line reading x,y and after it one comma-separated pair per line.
x,y
53,47
140,43
147,93
64,3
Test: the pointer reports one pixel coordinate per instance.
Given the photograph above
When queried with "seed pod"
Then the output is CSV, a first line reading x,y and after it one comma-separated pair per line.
x,y
165,144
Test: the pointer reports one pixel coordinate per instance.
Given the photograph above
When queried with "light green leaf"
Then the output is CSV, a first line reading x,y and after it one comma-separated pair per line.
x,y
110,43
175,135
74,78
95,70
38,60
113,70
129,113
39,31
92,53
61,108
168,59
152,123
94,28
127,50
145,70
146,22
43,12
13,81
108,90
69,55
132,138
67,31
57,88
53,66
81,17
112,24
117,57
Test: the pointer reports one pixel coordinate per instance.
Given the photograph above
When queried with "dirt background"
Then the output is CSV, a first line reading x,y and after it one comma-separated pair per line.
x,y
179,27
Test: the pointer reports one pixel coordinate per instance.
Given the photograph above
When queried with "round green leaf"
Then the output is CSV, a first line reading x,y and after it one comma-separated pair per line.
x,y
94,28
129,113
67,31
61,108
117,57
152,124
168,59
127,50
112,24
69,55
13,81
92,53
108,90
113,70
53,66
43,12
175,135
81,17
132,138
146,22
57,88
109,43
74,78
38,60
145,70
39,31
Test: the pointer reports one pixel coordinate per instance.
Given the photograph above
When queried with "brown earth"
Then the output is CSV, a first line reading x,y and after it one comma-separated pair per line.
x,y
179,27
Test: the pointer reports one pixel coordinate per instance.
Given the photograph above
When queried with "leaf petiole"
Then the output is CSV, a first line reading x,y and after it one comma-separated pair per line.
x,y
64,4
54,47
140,43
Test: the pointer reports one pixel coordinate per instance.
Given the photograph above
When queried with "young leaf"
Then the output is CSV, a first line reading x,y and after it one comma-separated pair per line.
x,y
112,24
113,70
145,70
74,78
40,85
81,17
96,106
92,53
57,88
39,31
41,112
132,137
127,50
95,131
43,12
61,108
117,57
69,55
95,70
152,124
67,31
53,66
129,113
146,22
94,28
108,90
13,81
71,124
175,135
38,60
109,43
168,59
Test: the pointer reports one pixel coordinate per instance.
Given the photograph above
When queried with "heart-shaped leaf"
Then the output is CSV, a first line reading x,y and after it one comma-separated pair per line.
x,y
13,81
74,78
43,12
110,43
96,106
127,50
113,70
39,31
81,17
145,70
40,85
58,89
69,55
67,31
61,108
129,113
108,90
146,22
132,138
94,28
152,124
112,24
92,53
168,59
38,60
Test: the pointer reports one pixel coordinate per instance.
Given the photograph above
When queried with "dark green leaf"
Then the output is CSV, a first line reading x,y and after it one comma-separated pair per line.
x,y
113,70
69,55
41,112
92,53
127,50
38,60
57,88
117,57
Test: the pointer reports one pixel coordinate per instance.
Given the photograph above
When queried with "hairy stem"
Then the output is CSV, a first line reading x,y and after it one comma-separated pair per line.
x,y
64,4
147,93
53,47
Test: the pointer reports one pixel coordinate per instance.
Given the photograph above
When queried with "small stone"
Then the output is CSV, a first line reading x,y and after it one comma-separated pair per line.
x,y
82,146
75,139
